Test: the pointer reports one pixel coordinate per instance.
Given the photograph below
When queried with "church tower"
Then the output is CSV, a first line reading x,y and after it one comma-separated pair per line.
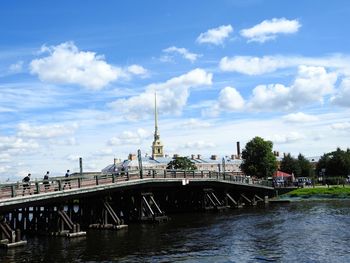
x,y
157,146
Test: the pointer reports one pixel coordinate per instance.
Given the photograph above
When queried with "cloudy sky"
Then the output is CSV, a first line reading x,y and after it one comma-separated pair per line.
x,y
77,79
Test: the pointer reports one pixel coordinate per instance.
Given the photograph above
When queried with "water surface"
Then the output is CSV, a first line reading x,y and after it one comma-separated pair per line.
x,y
303,231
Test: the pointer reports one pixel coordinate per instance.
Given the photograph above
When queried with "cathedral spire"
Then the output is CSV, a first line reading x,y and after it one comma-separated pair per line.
x,y
157,146
156,133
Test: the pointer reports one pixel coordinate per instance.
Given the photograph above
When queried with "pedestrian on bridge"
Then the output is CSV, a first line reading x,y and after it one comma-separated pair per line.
x,y
67,181
26,183
46,181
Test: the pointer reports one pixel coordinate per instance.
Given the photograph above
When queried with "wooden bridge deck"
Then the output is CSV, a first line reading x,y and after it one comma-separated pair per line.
x,y
77,185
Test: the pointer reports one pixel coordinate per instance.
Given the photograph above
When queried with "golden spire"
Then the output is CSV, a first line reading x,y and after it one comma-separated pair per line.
x,y
157,146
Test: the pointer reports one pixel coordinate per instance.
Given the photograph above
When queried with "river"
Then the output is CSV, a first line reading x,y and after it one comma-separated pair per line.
x,y
302,231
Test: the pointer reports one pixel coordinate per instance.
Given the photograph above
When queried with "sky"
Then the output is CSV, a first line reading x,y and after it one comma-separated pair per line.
x,y
77,79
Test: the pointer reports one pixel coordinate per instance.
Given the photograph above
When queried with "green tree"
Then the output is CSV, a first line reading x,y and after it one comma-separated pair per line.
x,y
181,163
290,165
304,166
258,159
336,163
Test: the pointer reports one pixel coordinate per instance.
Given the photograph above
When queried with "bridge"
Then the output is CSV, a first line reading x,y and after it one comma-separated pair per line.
x,y
69,206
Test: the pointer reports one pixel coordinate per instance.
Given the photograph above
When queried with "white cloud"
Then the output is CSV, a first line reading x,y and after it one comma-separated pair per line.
x,y
5,109
341,126
215,36
310,85
287,138
103,152
5,157
14,145
130,137
172,95
17,67
230,99
65,64
182,51
195,124
299,117
341,98
45,131
269,29
260,65
137,70
199,145
270,97
73,157
251,65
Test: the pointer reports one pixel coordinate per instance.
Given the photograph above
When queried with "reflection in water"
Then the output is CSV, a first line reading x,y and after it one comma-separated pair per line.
x,y
305,231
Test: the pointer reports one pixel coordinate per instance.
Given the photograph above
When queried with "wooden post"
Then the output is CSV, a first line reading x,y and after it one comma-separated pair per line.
x,y
81,165
96,180
13,191
185,174
139,157
164,173
37,187
79,182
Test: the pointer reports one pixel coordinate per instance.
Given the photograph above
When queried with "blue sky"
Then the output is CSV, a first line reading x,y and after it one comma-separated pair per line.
x,y
77,79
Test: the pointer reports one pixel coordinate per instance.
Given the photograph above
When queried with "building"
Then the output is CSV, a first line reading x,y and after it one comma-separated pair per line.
x,y
159,161
157,146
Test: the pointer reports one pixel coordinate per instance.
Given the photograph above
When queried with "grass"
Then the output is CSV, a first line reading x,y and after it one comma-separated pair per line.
x,y
331,192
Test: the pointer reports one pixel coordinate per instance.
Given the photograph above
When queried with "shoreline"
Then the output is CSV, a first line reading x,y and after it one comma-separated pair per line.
x,y
318,193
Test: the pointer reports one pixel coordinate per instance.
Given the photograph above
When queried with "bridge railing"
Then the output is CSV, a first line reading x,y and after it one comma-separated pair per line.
x,y
77,180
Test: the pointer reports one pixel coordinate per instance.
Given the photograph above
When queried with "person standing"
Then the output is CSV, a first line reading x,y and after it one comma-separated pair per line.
x,y
46,181
67,181
26,183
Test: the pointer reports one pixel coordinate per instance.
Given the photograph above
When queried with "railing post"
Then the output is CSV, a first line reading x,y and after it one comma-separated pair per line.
x,y
153,173
113,178
202,174
164,173
193,174
59,185
209,174
79,182
127,176
81,166
96,179
185,174
13,191
37,187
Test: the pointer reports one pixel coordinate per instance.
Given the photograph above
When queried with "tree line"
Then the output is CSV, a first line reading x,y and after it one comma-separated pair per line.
x,y
259,160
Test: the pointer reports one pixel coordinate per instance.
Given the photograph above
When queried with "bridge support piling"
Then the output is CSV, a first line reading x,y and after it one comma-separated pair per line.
x,y
9,237
106,214
150,210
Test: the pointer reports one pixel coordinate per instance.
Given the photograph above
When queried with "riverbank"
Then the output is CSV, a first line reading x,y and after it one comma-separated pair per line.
x,y
320,192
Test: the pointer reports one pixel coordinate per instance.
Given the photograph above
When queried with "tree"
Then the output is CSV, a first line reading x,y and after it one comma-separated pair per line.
x,y
290,165
304,166
336,163
181,163
258,159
